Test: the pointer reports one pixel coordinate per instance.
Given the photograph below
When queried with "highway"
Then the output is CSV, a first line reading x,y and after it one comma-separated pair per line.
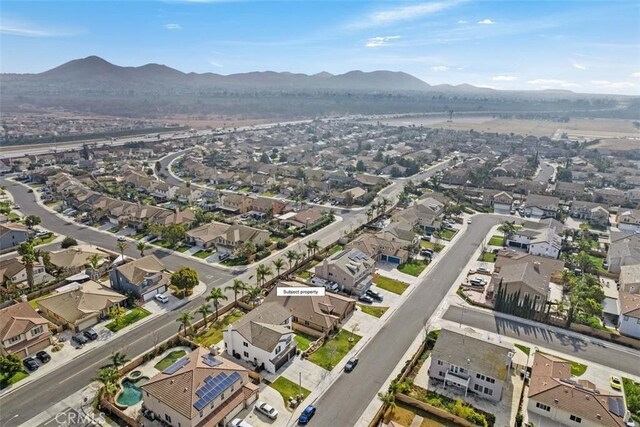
x,y
597,351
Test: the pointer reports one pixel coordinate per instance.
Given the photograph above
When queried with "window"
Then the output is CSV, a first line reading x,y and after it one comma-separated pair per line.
x,y
575,419
543,406
488,391
626,318
201,414
490,380
167,418
244,343
480,376
222,397
14,339
246,354
440,362
477,387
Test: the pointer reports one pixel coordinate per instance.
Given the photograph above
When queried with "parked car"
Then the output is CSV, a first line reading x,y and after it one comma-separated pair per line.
x,y
307,414
30,190
79,339
30,363
239,422
351,364
478,282
91,334
469,221
483,270
222,257
615,382
426,252
43,356
122,239
162,298
16,206
375,295
366,299
266,409
426,237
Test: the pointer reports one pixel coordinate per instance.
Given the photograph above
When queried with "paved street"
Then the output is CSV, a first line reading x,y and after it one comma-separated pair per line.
x,y
546,171
621,358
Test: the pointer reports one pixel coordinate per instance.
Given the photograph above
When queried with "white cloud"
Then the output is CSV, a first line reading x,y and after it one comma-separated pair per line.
x,y
24,29
405,13
545,82
486,22
613,85
504,78
462,21
173,27
636,74
216,64
440,68
380,41
579,66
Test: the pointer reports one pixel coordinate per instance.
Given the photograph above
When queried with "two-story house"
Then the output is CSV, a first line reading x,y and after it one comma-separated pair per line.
x,y
234,236
303,219
379,249
594,213
538,206
235,203
23,331
628,220
630,278
205,236
629,319
624,249
610,196
144,277
351,269
485,371
12,234
201,389
539,238
263,337
14,271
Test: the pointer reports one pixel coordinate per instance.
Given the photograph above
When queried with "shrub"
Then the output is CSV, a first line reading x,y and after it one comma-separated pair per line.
x,y
68,242
281,244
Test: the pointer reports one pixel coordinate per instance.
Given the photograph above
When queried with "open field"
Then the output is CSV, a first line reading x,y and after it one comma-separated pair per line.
x,y
201,122
615,144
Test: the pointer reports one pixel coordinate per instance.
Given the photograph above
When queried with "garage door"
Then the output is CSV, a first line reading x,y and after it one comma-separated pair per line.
x,y
149,295
87,323
392,259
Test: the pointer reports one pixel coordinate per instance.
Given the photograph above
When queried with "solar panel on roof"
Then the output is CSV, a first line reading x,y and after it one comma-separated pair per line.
x,y
213,387
616,406
176,365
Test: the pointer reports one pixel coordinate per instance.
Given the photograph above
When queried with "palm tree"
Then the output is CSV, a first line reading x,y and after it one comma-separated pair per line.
x,y
238,286
28,259
94,261
370,213
507,230
205,310
216,295
142,246
254,293
278,264
388,400
290,256
109,377
122,246
185,319
384,204
313,246
262,272
118,359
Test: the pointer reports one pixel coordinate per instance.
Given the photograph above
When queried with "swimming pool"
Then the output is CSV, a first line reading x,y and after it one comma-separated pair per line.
x,y
131,392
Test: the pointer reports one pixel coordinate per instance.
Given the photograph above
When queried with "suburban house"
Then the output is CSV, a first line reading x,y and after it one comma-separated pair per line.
x,y
13,271
367,180
144,277
201,389
628,220
353,193
267,205
205,236
485,371
351,269
263,337
235,203
234,236
76,258
569,190
12,234
610,196
629,320
502,202
316,315
161,190
539,238
425,214
624,249
542,206
23,331
630,278
379,248
555,395
303,219
594,213
80,305
399,232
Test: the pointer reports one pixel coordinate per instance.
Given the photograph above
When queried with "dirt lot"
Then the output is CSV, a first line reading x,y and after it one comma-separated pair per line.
x,y
215,121
626,144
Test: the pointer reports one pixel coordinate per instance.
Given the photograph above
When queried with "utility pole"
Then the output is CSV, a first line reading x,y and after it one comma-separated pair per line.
x,y
300,384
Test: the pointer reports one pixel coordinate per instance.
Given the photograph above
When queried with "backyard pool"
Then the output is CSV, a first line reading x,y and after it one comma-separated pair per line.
x,y
135,374
131,393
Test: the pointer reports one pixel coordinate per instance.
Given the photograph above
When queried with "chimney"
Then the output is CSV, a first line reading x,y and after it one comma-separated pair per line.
x,y
536,266
213,350
23,298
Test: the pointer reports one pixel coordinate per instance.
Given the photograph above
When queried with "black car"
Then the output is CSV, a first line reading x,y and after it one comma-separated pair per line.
x,y
79,339
374,294
43,356
31,364
366,299
351,364
91,334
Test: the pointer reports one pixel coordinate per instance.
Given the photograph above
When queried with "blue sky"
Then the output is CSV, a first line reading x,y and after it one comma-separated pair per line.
x,y
581,45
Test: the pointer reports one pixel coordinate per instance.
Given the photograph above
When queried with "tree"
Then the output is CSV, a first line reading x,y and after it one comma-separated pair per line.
x,y
291,255
116,313
384,204
109,377
32,220
262,272
173,234
118,359
313,246
360,166
264,158
185,319
253,294
278,264
237,286
142,246
216,295
247,249
185,280
388,400
29,259
348,198
371,212
122,246
155,229
9,366
67,242
205,310
585,262
507,230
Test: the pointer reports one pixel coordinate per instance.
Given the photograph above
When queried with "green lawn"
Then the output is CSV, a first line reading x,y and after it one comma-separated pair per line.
x,y
169,359
391,285
632,395
233,262
138,236
213,334
304,275
488,257
183,248
304,340
34,302
334,249
526,350
13,217
413,267
288,388
44,239
597,261
269,194
53,203
115,229
448,234
373,311
203,254
6,382
436,247
496,241
333,350
131,317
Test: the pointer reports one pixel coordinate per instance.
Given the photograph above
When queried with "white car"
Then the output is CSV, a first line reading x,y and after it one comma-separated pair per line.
x,y
238,422
162,298
469,221
266,409
122,239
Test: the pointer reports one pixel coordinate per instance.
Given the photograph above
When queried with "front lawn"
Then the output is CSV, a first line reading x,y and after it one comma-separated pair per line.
x,y
577,369
304,340
413,267
334,249
6,382
138,236
632,395
597,262
183,248
169,359
203,254
435,247
213,333
131,317
13,217
488,257
391,285
43,240
288,389
304,275
233,262
448,234
496,241
333,350
371,310
115,229
526,350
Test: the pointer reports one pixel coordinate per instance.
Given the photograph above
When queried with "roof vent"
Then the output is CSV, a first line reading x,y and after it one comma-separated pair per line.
x,y
598,416
185,389
556,400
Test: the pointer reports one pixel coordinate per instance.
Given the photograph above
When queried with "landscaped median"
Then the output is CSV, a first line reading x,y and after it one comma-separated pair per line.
x,y
391,285
135,314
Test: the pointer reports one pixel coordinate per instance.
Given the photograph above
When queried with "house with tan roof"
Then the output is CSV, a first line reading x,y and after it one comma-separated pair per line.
x,y
624,249
629,319
351,269
628,220
201,389
205,236
539,206
539,238
630,278
263,337
81,305
75,259
234,236
12,270
22,330
316,314
144,277
379,248
553,394
303,219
